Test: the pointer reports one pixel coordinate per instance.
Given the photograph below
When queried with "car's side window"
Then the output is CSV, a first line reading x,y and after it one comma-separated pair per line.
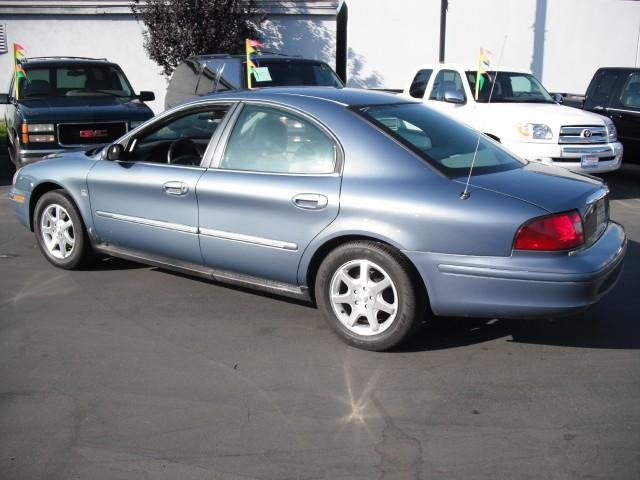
x,y
630,95
180,140
419,84
446,80
267,139
603,89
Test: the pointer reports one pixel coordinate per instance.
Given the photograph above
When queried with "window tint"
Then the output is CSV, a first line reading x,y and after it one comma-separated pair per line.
x,y
282,73
266,139
444,143
78,80
183,138
630,96
219,76
446,80
419,84
510,87
603,89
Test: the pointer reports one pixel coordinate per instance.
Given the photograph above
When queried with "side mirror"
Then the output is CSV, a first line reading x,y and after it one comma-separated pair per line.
x,y
115,152
558,98
454,96
147,96
4,99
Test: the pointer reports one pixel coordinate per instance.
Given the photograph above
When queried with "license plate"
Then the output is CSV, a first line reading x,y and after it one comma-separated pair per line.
x,y
589,161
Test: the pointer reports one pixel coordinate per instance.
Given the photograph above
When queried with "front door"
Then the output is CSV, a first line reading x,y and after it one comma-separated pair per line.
x,y
273,189
147,201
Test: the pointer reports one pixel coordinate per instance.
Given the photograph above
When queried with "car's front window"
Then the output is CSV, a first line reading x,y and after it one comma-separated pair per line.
x,y
73,81
510,87
444,143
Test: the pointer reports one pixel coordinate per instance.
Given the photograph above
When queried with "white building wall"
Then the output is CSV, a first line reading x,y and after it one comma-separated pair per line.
x,y
563,42
119,39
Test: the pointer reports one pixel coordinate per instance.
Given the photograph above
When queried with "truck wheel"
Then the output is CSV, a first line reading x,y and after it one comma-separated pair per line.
x,y
369,295
60,232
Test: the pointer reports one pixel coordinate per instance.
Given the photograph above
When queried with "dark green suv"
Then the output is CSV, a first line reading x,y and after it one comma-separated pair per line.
x,y
69,103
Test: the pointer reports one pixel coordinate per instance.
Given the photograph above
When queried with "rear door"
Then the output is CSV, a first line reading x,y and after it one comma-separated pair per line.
x,y
274,186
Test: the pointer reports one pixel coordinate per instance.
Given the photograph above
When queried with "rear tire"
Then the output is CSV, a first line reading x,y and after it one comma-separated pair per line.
x,y
60,232
375,310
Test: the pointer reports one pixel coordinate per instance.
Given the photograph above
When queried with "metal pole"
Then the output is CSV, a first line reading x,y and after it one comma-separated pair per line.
x,y
443,27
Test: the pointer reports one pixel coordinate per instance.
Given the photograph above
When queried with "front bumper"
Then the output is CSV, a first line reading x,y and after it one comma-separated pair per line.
x,y
19,201
33,155
570,156
526,284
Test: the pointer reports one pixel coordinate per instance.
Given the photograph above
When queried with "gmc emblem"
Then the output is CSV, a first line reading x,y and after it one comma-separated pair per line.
x,y
93,133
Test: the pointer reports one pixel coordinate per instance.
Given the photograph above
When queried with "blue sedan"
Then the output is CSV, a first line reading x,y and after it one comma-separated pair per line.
x,y
359,201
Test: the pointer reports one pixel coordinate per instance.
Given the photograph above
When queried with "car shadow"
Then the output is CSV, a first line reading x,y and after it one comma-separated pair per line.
x,y
610,324
624,183
6,167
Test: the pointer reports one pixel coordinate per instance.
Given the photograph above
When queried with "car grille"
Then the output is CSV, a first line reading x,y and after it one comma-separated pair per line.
x,y
72,134
583,134
596,220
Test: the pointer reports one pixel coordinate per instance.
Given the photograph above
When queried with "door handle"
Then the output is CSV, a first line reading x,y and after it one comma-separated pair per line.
x,y
310,201
175,188
615,115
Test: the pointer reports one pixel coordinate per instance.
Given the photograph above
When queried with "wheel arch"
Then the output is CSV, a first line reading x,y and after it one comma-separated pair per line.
x,y
311,269
43,188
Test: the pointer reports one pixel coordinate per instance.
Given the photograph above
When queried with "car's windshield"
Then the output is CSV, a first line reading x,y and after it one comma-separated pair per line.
x,y
283,73
73,81
443,142
511,87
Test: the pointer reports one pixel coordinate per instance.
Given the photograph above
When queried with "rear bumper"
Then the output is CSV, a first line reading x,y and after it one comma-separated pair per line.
x,y
525,285
569,156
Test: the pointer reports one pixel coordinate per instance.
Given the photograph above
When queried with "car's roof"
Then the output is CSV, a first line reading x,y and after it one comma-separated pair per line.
x,y
61,61
292,95
466,67
270,57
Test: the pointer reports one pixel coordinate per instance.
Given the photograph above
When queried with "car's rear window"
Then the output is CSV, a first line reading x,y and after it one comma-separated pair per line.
x,y
283,73
443,142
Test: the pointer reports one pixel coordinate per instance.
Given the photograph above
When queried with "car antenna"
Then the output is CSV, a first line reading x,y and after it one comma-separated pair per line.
x,y
465,194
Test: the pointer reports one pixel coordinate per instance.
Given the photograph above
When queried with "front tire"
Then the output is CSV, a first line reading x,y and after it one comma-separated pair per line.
x,y
369,295
60,232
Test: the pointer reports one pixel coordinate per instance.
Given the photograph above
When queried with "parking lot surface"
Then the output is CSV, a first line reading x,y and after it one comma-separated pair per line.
x,y
125,371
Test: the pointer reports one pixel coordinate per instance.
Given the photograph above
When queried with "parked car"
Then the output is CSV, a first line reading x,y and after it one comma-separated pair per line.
x,y
205,74
615,93
351,198
521,115
69,103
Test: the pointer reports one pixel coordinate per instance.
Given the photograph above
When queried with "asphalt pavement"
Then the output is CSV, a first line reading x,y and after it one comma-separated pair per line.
x,y
124,371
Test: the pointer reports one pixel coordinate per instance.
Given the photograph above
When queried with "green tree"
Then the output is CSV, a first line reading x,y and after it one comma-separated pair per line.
x,y
178,29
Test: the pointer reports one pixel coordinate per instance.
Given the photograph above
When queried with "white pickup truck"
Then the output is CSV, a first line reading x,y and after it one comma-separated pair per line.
x,y
521,115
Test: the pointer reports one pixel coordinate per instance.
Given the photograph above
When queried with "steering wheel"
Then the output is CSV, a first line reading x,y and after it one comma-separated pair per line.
x,y
186,144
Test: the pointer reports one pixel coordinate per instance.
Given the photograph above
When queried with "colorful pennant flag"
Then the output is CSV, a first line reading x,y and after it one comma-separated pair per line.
x,y
19,54
484,65
251,66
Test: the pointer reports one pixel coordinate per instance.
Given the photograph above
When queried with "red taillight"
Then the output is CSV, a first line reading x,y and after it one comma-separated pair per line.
x,y
562,231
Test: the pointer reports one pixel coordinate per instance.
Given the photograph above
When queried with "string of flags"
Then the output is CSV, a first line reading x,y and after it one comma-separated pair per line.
x,y
484,66
260,74
19,55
